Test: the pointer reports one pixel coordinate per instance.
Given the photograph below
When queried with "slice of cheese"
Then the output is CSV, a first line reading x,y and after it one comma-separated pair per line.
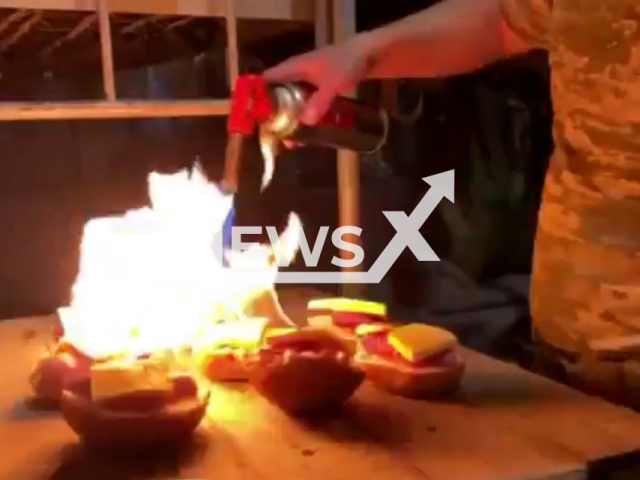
x,y
320,321
367,328
416,342
278,331
117,378
245,334
348,305
248,333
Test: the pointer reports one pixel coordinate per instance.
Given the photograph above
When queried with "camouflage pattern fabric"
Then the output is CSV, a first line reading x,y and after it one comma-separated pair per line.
x,y
585,294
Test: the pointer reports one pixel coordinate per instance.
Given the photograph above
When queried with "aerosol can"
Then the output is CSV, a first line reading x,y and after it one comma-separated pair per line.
x,y
274,110
269,113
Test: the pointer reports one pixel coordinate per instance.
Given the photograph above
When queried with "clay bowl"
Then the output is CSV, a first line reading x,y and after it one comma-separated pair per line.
x,y
137,420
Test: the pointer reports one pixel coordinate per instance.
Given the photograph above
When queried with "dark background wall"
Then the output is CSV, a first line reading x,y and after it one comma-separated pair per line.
x,y
493,127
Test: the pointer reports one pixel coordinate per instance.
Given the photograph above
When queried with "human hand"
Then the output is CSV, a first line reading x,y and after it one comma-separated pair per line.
x,y
333,70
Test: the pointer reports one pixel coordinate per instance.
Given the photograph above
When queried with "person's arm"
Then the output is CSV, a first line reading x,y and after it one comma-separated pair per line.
x,y
449,38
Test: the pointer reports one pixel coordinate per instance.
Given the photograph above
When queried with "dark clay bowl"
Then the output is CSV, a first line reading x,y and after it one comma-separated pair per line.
x,y
140,419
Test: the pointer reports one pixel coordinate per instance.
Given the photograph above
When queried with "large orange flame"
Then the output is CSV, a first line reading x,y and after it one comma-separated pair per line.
x,y
149,280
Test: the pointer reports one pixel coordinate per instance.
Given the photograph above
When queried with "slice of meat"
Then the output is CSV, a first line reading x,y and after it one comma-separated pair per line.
x,y
354,319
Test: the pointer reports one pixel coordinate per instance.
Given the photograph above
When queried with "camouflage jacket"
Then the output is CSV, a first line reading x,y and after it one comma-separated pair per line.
x,y
585,293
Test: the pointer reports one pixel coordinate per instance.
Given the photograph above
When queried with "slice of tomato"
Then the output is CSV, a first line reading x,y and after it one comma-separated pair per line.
x,y
353,319
310,339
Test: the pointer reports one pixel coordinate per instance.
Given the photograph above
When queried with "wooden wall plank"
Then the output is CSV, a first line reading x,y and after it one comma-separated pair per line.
x,y
10,111
106,51
233,58
321,22
300,10
344,25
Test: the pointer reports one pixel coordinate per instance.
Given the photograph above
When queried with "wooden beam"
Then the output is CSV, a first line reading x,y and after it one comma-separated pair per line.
x,y
344,25
21,31
299,10
141,23
13,18
178,23
106,51
321,22
80,27
111,110
233,59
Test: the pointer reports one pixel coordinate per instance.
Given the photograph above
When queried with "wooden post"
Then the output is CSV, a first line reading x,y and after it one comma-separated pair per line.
x,y
344,25
321,22
233,60
106,51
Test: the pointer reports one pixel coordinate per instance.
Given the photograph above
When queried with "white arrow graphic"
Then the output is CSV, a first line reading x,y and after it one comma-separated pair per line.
x,y
407,235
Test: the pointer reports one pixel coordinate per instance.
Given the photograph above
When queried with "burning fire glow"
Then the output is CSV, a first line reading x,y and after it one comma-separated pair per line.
x,y
150,280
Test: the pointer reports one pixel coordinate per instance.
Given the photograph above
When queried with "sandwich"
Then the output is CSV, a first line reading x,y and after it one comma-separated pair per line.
x,y
347,316
415,360
134,384
305,371
134,403
54,371
52,374
221,351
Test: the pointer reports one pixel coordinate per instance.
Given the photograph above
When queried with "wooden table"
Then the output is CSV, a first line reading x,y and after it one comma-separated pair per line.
x,y
506,424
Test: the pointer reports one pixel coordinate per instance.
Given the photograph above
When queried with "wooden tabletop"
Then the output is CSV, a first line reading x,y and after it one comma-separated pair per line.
x,y
506,424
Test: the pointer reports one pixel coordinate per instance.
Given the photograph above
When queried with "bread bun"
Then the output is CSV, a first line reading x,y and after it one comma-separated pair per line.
x,y
224,366
411,382
66,347
52,374
435,376
136,419
221,348
306,372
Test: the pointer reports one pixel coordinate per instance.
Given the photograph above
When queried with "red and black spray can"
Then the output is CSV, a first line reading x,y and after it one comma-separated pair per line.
x,y
275,110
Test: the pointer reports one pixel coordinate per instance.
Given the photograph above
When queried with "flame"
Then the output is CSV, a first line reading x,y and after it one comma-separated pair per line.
x,y
150,280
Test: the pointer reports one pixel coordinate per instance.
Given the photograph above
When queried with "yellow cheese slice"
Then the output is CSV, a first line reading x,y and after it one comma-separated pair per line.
x,y
348,305
278,331
367,328
117,378
244,334
320,321
248,333
416,341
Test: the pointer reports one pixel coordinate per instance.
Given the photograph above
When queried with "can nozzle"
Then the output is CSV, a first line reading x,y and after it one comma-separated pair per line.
x,y
250,104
